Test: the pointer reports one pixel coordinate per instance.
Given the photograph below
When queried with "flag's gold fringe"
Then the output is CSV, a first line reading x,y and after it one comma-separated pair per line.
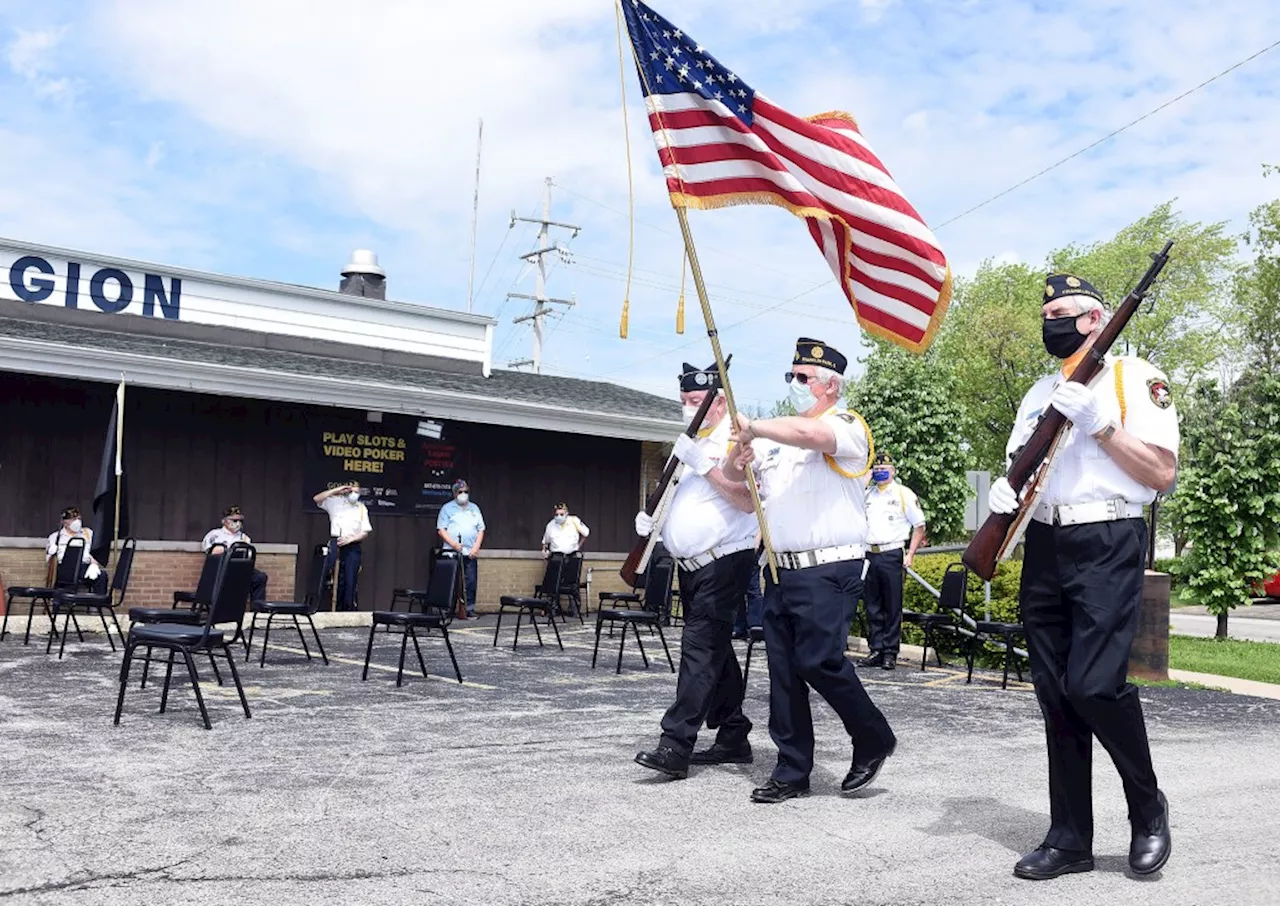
x,y
623,324
701,203
835,115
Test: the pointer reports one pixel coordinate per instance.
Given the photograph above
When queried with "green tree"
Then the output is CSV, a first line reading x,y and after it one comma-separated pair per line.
x,y
1257,290
909,403
991,342
1183,328
1229,498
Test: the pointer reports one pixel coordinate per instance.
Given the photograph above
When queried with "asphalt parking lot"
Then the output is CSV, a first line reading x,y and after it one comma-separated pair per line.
x,y
517,787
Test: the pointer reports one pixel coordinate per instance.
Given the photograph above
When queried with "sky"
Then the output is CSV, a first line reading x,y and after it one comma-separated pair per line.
x,y
270,138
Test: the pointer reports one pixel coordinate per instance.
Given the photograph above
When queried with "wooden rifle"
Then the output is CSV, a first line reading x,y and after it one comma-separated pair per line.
x,y
1034,459
638,559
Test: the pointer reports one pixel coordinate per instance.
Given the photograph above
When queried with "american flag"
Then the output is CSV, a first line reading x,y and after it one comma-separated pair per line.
x,y
721,143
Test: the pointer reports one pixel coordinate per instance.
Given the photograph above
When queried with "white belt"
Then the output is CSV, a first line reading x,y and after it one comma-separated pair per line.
x,y
819,557
881,548
691,564
1112,510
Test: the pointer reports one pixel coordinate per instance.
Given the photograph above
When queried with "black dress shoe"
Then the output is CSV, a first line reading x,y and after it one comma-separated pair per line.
x,y
874,659
889,661
778,791
665,760
1151,843
721,754
1050,862
863,772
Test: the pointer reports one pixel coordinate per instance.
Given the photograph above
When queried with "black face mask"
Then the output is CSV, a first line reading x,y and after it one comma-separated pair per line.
x,y
1061,338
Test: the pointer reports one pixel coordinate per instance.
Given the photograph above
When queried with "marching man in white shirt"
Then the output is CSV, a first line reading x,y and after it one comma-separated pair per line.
x,y
893,516
710,531
1082,575
812,470
564,533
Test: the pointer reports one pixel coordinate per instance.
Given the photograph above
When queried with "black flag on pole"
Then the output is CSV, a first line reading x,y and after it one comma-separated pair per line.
x,y
104,492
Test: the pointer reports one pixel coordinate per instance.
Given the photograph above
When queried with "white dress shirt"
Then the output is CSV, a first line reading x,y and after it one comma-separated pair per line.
x,y
345,517
565,538
892,512
699,519
813,500
1083,472
57,544
220,535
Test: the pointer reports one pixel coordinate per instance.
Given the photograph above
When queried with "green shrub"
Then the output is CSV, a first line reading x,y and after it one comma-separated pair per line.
x,y
1175,567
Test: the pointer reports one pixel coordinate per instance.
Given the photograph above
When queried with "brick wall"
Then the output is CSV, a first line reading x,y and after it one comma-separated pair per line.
x,y
511,576
155,576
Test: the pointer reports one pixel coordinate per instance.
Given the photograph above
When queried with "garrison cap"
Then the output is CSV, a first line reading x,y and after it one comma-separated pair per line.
x,y
883,459
1057,286
71,512
816,352
461,485
231,511
693,378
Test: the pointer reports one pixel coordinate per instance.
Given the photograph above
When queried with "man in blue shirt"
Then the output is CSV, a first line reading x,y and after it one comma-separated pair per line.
x,y
461,528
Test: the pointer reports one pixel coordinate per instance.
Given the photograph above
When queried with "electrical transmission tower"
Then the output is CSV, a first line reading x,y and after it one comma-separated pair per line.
x,y
541,302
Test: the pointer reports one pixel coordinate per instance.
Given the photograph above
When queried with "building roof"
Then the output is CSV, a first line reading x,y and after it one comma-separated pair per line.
x,y
61,342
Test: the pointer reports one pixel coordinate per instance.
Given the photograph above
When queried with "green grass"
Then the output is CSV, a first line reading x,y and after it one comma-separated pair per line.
x,y
1226,657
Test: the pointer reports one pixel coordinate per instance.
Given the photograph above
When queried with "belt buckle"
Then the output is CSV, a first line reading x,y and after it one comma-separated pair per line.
x,y
1118,507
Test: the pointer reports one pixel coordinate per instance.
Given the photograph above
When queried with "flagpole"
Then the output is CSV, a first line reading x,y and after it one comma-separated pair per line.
x,y
714,336
115,528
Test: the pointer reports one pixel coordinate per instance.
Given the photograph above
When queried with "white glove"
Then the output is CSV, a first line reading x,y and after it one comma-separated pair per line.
x,y
688,452
644,524
1001,497
1079,404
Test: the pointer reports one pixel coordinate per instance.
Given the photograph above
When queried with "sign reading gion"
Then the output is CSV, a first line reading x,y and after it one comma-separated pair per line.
x,y
405,465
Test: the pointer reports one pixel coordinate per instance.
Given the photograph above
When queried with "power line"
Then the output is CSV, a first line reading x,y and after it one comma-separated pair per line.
x,y
1108,136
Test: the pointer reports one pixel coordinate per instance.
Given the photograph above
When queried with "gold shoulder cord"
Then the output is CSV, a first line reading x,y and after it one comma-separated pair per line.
x,y
1119,372
871,451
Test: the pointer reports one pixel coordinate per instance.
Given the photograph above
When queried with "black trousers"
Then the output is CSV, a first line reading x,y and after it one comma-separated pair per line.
x,y
1081,587
883,593
710,684
806,623
348,557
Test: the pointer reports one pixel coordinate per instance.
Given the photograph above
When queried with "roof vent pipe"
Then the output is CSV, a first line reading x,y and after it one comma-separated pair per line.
x,y
363,277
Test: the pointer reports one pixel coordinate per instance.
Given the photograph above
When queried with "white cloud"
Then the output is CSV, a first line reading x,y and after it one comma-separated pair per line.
x,y
29,56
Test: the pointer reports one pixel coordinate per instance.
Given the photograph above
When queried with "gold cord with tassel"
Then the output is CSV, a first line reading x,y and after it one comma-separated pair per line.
x,y
631,192
684,266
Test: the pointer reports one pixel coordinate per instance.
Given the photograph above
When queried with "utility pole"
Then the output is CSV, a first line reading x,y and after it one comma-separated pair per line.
x,y
541,302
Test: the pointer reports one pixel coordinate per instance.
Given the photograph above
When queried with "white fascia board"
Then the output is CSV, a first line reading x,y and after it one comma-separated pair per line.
x,y
107,366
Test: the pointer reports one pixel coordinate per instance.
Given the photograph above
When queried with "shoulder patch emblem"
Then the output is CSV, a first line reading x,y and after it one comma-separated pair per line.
x,y
845,417
1158,388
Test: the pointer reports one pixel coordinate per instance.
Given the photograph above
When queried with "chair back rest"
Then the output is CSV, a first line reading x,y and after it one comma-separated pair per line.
x,y
571,572
316,577
657,585
441,588
71,568
955,585
231,588
124,566
551,575
208,576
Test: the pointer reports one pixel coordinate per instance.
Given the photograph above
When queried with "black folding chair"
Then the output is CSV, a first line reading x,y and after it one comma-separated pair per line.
x,y
70,601
292,609
67,578
542,601
951,603
991,630
571,585
196,605
231,592
437,611
651,610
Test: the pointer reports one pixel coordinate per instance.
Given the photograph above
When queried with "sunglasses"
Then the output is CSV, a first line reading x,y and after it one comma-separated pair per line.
x,y
797,376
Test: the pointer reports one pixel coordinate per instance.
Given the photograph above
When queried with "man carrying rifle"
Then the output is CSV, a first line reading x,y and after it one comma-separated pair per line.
x,y
1082,578
710,531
